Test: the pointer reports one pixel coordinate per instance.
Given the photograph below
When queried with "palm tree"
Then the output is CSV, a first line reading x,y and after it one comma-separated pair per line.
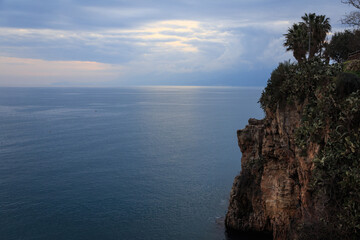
x,y
318,27
296,41
307,36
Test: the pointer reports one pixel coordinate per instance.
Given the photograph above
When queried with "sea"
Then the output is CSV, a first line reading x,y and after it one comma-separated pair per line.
x,y
120,163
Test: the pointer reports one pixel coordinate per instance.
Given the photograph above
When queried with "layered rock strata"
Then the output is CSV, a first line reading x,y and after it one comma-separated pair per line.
x,y
272,192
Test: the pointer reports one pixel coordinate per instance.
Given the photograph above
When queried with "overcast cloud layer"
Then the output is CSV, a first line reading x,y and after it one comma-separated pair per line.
x,y
141,42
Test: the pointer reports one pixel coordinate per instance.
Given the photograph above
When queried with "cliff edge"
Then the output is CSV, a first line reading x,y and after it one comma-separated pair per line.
x,y
271,193
300,165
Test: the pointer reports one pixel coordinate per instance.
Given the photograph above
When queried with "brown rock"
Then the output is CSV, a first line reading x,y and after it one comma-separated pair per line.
x,y
272,192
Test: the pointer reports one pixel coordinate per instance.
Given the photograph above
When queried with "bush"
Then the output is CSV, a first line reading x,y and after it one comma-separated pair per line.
x,y
342,44
272,93
346,83
290,83
333,123
337,167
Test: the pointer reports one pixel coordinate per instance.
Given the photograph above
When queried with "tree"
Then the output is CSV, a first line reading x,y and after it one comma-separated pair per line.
x,y
296,41
353,18
308,37
318,26
342,44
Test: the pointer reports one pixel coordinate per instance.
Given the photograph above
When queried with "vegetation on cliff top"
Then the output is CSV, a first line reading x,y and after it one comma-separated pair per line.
x,y
308,37
342,44
330,96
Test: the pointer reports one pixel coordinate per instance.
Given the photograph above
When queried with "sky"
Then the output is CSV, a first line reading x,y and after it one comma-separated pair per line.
x,y
114,43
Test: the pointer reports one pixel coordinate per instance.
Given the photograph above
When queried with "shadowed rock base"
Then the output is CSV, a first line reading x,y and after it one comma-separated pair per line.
x,y
234,235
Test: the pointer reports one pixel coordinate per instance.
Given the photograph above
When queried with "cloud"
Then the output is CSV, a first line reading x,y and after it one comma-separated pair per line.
x,y
156,49
119,12
275,53
35,72
145,40
172,40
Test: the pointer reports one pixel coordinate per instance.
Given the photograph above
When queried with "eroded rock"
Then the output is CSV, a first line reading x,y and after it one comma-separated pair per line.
x,y
272,191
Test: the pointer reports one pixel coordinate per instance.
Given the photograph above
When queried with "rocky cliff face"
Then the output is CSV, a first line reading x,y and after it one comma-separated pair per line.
x,y
272,192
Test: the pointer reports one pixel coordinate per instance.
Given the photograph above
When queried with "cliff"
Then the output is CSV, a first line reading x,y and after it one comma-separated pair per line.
x,y
272,192
300,172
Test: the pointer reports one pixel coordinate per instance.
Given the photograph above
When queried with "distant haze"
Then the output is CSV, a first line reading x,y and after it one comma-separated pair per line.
x,y
165,42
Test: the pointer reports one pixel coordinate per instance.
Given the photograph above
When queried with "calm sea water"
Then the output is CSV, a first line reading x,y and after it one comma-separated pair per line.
x,y
125,163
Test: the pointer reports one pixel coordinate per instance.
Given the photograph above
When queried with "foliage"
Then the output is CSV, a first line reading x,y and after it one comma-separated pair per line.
x,y
332,120
297,38
342,44
315,230
290,83
353,18
346,83
319,26
337,166
273,94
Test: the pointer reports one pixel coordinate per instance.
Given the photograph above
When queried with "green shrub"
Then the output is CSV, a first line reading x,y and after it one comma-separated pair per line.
x,y
290,83
346,83
334,124
272,93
